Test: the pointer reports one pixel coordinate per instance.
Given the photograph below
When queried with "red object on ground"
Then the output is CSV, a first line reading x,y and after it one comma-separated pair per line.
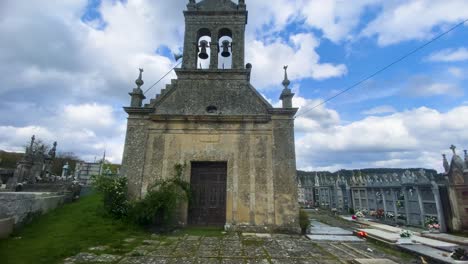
x,y
354,217
361,234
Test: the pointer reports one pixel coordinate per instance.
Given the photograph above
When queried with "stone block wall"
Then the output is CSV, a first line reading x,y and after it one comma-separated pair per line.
x,y
22,205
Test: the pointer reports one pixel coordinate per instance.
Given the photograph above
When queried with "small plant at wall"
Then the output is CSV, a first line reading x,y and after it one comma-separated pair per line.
x,y
161,202
459,254
304,221
405,234
114,191
400,204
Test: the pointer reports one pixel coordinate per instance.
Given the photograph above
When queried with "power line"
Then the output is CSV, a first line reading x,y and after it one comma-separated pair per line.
x,y
151,87
384,68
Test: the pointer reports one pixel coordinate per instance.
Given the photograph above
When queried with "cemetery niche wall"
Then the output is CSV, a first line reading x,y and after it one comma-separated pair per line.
x,y
414,197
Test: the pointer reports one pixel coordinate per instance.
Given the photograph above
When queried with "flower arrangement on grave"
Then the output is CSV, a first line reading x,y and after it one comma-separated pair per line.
x,y
405,234
373,213
459,254
390,215
380,213
432,223
360,214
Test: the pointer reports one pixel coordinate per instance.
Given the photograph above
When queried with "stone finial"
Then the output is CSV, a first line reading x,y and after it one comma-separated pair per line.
x,y
191,5
137,94
445,163
286,81
242,5
453,148
286,95
139,82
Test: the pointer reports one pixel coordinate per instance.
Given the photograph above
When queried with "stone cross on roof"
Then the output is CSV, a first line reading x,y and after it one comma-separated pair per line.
x,y
453,148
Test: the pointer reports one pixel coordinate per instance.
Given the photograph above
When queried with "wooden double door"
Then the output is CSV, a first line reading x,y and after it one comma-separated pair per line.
x,y
208,185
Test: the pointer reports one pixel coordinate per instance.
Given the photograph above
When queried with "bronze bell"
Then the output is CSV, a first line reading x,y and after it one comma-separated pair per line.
x,y
226,46
203,55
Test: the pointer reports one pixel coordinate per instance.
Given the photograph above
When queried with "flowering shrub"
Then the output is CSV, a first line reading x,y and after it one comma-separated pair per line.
x,y
405,234
114,191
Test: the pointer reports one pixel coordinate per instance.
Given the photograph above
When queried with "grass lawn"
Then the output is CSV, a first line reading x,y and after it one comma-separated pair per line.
x,y
65,232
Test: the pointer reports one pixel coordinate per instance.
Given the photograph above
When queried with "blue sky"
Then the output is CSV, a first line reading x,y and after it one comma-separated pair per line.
x,y
66,68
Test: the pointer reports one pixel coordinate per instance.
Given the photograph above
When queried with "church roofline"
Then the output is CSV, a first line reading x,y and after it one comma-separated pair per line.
x,y
213,74
212,118
138,110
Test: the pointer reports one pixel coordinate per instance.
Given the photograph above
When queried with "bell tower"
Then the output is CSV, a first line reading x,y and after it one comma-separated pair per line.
x,y
214,35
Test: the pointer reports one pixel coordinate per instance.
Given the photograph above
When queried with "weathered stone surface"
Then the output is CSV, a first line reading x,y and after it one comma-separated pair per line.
x,y
216,115
21,205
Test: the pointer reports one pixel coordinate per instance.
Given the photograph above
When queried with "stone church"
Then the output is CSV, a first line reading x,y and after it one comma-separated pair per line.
x,y
236,149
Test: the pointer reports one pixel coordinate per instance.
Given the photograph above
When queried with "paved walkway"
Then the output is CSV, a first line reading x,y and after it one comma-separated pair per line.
x,y
193,249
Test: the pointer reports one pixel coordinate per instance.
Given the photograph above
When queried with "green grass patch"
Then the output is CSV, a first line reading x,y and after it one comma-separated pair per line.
x,y
389,250
202,231
253,242
65,232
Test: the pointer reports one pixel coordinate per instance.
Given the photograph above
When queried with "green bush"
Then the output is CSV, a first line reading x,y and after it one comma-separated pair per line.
x,y
160,203
304,221
114,191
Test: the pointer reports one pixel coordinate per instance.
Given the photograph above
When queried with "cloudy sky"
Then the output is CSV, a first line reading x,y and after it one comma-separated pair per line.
x,y
66,67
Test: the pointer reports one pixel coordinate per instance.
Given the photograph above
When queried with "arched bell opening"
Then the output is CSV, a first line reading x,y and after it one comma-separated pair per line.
x,y
225,49
203,48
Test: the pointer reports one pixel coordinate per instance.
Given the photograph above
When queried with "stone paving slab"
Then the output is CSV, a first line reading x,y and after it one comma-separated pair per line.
x,y
373,261
318,228
429,252
447,238
383,227
434,243
334,238
382,235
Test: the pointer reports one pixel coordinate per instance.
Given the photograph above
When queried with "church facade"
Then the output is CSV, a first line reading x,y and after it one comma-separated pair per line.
x,y
236,150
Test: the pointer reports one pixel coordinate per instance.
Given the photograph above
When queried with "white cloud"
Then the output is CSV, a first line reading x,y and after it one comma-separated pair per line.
x,y
335,18
300,55
86,129
413,138
415,20
418,89
449,55
383,109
